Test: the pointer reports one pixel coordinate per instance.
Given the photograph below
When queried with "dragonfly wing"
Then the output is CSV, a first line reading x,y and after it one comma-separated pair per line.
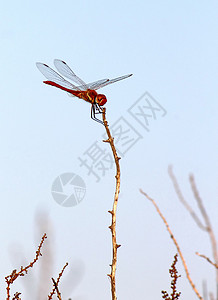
x,y
51,75
92,85
102,84
66,71
70,95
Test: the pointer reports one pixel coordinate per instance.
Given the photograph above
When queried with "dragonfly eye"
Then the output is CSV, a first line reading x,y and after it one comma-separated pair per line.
x,y
101,99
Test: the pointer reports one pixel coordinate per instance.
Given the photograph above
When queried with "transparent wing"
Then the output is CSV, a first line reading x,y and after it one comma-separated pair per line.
x,y
100,84
51,75
93,85
66,71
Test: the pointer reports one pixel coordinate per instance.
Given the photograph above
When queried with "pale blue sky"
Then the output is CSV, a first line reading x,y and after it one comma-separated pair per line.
x,y
171,48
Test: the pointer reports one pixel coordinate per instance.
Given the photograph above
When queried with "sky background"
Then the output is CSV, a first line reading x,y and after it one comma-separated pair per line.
x,y
171,48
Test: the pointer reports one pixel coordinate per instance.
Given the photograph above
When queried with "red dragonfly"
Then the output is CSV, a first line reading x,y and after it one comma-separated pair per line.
x,y
84,91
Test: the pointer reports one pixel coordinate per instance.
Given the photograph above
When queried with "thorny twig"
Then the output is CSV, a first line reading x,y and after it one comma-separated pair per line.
x,y
14,275
173,274
176,244
55,288
16,296
112,227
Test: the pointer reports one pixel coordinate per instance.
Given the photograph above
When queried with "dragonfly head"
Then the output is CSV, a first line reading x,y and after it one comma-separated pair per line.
x,y
101,99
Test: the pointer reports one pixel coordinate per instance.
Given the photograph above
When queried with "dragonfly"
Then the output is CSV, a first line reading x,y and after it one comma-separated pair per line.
x,y
81,90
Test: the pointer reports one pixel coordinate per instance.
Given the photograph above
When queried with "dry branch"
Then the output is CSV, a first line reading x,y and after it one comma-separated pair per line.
x,y
112,227
183,201
56,288
206,218
14,275
173,274
176,244
55,283
208,259
207,224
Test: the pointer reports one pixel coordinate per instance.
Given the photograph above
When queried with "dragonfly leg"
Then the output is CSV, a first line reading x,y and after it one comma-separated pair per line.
x,y
96,109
